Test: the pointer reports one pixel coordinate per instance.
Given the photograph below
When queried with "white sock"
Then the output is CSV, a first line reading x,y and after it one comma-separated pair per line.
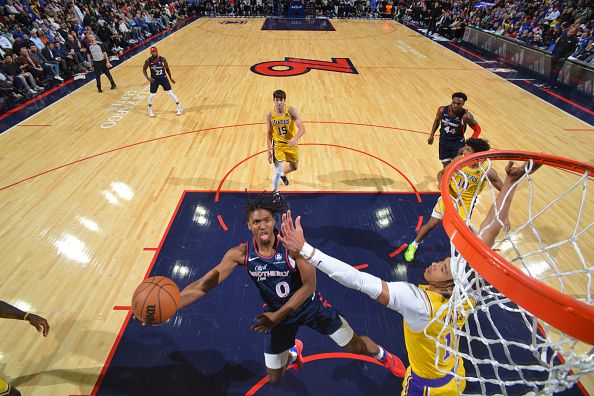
x,y
170,92
413,243
292,357
381,355
343,273
150,99
278,170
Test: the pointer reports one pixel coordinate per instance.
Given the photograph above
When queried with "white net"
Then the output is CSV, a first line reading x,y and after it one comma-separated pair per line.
x,y
549,237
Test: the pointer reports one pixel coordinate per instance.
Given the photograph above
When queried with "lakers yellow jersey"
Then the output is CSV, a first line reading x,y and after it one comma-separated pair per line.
x,y
283,125
422,349
468,182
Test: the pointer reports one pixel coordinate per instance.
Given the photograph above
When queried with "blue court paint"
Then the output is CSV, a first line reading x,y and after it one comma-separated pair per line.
x,y
317,24
208,347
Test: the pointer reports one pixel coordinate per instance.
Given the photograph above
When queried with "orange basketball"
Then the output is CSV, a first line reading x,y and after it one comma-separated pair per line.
x,y
155,300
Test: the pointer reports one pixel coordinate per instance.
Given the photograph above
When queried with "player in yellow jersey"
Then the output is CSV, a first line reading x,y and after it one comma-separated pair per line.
x,y
284,130
417,304
10,312
464,190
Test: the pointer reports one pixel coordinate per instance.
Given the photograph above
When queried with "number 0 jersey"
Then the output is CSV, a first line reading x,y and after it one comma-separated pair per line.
x,y
276,277
283,125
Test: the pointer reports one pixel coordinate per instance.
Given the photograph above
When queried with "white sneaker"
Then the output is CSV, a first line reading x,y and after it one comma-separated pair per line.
x,y
150,113
58,78
179,110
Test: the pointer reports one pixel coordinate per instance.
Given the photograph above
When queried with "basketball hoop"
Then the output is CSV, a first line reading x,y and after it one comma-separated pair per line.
x,y
545,284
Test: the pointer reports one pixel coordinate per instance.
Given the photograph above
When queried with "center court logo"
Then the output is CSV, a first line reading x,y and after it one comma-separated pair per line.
x,y
297,66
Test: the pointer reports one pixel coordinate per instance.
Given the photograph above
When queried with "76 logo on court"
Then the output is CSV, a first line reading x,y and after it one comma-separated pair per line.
x,y
297,66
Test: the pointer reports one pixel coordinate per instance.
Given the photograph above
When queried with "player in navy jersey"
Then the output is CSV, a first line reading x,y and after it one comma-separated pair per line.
x,y
453,120
159,67
288,287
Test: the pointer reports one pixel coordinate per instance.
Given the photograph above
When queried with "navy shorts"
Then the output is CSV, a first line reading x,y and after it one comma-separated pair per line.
x,y
316,314
449,150
162,82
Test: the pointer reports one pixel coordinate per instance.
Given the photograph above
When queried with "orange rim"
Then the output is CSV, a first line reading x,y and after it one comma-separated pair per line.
x,y
559,310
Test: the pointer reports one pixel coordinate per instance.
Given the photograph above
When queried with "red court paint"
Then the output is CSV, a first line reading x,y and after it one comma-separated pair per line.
x,y
468,52
419,223
360,267
121,307
149,249
222,223
401,248
313,358
218,193
582,108
129,315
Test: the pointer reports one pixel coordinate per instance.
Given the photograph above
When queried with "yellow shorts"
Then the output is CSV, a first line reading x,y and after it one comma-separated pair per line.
x,y
284,152
464,208
413,385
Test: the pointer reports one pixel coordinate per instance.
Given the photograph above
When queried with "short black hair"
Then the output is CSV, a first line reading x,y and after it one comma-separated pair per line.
x,y
478,144
460,95
265,201
280,94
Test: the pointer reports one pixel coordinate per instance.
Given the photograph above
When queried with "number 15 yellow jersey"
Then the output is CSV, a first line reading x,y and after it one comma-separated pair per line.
x,y
283,126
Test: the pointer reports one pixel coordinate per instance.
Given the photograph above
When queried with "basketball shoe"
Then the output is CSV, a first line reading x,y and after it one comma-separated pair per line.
x,y
179,110
285,180
409,253
276,197
297,349
394,364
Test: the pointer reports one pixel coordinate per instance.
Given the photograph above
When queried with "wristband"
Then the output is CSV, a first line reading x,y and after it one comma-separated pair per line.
x,y
307,251
25,317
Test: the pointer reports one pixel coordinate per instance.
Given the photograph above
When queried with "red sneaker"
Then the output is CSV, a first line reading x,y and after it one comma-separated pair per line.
x,y
297,364
394,364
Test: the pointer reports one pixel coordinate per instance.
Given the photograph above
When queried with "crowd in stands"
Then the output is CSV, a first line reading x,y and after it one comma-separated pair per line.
x,y
537,23
44,42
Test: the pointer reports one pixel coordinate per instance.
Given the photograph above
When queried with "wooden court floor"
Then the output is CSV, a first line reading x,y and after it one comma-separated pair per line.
x,y
88,185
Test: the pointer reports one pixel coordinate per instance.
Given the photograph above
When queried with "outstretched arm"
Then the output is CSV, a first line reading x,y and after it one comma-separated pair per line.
x,y
198,289
494,220
402,297
11,312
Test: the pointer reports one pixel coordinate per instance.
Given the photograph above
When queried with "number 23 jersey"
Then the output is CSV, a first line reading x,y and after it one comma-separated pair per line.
x,y
157,67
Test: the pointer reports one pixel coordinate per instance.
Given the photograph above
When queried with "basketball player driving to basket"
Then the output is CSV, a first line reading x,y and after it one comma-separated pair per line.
x,y
288,287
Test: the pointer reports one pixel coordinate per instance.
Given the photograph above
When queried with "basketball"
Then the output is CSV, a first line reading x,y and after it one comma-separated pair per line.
x,y
155,300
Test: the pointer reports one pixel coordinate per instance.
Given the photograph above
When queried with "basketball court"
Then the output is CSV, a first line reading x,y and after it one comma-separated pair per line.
x,y
96,196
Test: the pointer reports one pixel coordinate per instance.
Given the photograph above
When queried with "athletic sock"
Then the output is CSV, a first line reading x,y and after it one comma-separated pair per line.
x,y
381,354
